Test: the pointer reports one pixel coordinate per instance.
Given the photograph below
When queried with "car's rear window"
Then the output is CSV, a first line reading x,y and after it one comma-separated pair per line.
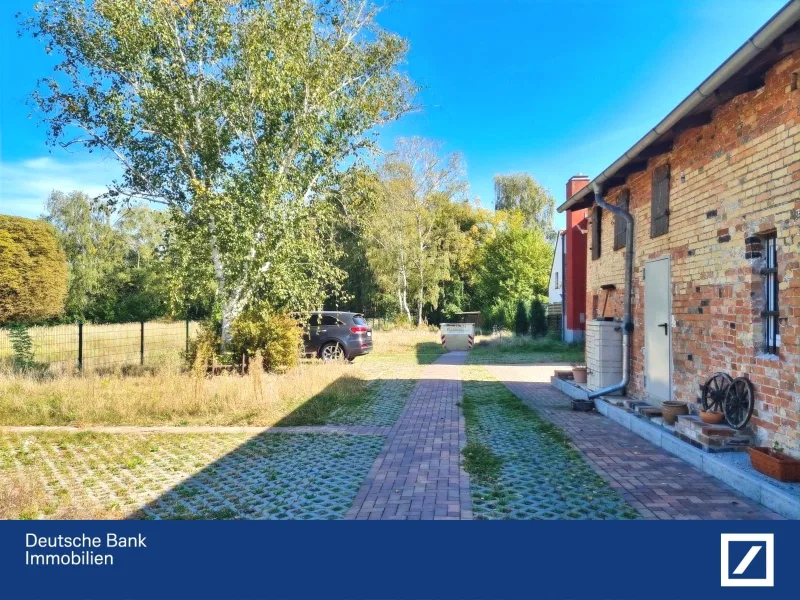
x,y
359,320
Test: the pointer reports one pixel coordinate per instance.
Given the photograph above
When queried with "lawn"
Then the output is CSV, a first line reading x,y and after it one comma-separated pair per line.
x,y
523,467
512,349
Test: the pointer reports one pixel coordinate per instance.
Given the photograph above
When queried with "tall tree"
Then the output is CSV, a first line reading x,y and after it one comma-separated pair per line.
x,y
411,242
117,271
513,264
33,271
235,115
520,191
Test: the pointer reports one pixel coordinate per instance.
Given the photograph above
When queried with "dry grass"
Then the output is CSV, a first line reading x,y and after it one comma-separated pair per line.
x,y
169,396
23,497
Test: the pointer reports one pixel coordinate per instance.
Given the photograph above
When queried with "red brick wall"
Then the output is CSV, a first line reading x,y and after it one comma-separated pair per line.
x,y
576,258
737,177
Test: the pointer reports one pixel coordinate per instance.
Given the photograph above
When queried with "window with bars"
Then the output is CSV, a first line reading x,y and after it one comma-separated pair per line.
x,y
772,337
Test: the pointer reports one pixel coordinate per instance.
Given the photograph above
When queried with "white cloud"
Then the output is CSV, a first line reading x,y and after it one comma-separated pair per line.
x,y
25,184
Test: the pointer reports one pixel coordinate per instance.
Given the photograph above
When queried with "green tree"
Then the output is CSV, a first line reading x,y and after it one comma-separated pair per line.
x,y
33,271
116,267
520,191
235,115
538,318
411,243
514,263
522,325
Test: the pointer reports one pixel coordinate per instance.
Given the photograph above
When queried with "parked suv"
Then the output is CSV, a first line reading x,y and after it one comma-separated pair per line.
x,y
333,335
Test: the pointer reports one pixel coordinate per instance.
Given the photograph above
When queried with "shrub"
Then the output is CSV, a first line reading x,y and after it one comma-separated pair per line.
x,y
522,325
33,271
538,318
276,336
203,349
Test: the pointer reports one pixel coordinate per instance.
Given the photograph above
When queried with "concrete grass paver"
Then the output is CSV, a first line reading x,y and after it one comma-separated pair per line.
x,y
190,476
540,475
418,474
657,484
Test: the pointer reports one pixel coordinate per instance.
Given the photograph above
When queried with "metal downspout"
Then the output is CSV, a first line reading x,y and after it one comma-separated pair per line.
x,y
627,320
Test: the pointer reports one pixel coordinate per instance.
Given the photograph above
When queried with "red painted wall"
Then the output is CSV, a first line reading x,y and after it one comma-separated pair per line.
x,y
577,220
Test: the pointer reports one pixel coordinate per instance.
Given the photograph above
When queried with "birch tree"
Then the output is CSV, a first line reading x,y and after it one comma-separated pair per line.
x,y
412,243
235,115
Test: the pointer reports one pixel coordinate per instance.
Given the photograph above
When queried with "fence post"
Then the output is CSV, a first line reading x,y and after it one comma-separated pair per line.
x,y
187,336
141,342
80,345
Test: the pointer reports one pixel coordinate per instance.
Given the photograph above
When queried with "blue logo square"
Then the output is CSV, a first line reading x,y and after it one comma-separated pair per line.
x,y
756,566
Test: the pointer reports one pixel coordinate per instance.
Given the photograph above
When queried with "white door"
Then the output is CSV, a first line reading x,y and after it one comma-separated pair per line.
x,y
658,329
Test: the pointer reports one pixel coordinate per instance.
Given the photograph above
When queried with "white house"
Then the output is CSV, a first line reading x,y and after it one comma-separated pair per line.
x,y
556,286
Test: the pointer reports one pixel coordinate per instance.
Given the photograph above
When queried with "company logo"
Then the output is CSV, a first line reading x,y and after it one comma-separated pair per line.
x,y
748,559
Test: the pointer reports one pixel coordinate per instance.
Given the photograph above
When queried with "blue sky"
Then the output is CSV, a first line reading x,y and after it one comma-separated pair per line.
x,y
550,87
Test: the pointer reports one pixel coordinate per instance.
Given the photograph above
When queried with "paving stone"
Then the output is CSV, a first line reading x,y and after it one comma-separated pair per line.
x,y
420,461
622,457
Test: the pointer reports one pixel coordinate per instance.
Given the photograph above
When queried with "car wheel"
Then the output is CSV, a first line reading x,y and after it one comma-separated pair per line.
x,y
332,351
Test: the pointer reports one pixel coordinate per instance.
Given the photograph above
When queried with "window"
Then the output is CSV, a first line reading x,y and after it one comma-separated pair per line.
x,y
557,284
772,338
313,321
659,203
597,223
620,225
329,320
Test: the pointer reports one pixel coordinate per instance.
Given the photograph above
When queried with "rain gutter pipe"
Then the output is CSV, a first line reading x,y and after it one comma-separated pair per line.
x,y
627,321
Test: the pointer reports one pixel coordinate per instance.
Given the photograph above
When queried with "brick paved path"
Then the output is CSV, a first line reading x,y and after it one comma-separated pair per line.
x,y
418,473
657,484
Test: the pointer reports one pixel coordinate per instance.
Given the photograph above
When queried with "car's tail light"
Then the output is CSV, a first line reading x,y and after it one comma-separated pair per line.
x,y
359,329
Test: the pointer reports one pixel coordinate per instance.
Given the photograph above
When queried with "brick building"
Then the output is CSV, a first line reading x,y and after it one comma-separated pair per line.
x,y
714,193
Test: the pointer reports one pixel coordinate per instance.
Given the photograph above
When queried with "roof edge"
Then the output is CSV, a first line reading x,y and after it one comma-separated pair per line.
x,y
768,33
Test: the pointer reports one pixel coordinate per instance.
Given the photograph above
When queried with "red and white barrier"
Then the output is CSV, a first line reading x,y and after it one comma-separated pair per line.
x,y
458,336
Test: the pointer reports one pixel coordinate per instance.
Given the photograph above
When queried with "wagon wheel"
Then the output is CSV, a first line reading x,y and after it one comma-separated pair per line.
x,y
714,391
739,402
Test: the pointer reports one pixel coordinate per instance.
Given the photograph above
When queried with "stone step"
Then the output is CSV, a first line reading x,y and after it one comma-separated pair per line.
x,y
633,405
649,411
723,430
712,438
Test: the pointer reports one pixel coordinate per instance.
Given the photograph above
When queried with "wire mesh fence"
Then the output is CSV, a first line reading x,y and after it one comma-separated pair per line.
x,y
88,346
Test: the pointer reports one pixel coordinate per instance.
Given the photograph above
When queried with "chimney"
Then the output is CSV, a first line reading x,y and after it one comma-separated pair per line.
x,y
575,184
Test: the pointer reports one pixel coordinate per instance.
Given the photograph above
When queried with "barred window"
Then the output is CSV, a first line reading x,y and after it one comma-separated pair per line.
x,y
772,338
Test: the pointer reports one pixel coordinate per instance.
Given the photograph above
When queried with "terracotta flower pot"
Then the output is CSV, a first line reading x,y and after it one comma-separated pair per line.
x,y
671,409
712,417
579,374
775,464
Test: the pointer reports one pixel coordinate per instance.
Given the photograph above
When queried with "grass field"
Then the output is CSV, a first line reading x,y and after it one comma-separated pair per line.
x,y
171,395
104,345
512,349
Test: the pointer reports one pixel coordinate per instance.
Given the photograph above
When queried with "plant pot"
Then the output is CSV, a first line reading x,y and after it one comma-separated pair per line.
x,y
671,409
579,374
712,417
774,464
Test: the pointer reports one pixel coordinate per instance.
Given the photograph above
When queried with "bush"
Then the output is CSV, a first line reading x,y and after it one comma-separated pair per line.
x,y
33,271
522,325
203,349
538,318
276,336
